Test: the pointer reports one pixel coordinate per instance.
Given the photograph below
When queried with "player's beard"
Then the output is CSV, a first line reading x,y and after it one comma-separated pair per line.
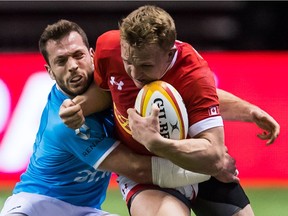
x,y
79,91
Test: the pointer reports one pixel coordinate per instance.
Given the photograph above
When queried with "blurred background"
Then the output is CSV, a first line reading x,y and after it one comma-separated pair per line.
x,y
209,25
244,42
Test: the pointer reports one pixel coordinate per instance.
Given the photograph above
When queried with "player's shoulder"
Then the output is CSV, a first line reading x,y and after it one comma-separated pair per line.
x,y
187,49
188,56
109,38
108,45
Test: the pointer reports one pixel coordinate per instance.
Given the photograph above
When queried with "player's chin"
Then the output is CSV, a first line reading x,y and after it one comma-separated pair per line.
x,y
139,84
79,87
78,90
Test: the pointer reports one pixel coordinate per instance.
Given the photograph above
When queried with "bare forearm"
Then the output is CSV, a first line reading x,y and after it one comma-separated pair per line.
x,y
204,153
198,155
93,100
233,108
148,170
125,162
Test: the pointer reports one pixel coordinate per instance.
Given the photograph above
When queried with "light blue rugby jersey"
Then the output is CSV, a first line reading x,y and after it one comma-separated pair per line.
x,y
62,162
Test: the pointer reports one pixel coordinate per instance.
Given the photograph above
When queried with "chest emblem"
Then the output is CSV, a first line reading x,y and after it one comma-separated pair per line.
x,y
118,84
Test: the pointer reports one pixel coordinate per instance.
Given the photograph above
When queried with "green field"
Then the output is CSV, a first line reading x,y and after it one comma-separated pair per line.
x,y
265,202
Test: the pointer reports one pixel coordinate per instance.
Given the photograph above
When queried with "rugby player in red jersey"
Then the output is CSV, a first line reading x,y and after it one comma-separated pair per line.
x,y
145,50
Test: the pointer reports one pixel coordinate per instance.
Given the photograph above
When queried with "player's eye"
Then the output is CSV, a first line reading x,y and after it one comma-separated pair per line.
x,y
61,61
78,55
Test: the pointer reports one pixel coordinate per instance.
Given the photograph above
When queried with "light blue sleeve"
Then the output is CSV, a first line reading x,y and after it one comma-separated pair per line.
x,y
91,143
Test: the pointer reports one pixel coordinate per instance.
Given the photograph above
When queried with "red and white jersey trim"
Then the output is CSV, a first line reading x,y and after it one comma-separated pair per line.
x,y
205,124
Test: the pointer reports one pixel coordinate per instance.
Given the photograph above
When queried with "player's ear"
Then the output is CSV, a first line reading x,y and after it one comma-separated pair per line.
x,y
50,72
91,51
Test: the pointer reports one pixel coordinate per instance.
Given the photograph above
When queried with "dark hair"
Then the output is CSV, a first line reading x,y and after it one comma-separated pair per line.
x,y
57,31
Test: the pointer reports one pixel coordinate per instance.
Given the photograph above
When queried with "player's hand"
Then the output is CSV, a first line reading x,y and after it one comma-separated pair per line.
x,y
229,173
71,114
144,129
267,123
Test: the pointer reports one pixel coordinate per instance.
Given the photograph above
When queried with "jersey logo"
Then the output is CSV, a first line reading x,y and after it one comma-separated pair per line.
x,y
125,189
91,176
119,84
83,132
123,121
214,110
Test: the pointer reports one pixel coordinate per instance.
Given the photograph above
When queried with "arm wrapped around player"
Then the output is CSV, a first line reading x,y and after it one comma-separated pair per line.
x,y
168,175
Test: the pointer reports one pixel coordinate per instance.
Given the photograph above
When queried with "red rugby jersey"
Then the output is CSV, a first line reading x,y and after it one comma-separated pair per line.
x,y
189,74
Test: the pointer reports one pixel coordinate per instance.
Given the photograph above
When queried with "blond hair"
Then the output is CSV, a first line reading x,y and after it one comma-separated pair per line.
x,y
148,25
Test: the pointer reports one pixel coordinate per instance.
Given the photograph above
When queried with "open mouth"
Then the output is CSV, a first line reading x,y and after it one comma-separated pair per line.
x,y
76,79
76,82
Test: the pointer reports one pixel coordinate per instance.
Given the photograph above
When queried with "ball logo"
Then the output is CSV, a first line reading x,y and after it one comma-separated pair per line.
x,y
173,118
164,124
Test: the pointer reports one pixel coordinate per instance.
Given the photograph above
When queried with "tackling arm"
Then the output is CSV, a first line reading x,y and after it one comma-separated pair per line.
x,y
149,170
234,108
73,112
93,100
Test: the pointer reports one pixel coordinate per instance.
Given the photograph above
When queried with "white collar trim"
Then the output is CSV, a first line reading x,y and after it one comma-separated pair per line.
x,y
172,62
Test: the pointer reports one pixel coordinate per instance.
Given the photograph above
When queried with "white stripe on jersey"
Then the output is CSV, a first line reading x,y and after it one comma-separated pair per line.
x,y
205,124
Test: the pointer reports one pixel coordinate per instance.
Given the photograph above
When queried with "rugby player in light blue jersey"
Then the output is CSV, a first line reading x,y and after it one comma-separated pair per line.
x,y
64,163
69,170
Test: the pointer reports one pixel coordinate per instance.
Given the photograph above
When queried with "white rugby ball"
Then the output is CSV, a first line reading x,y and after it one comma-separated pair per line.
x,y
173,115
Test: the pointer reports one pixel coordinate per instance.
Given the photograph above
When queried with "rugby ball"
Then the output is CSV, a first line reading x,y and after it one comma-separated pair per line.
x,y
173,117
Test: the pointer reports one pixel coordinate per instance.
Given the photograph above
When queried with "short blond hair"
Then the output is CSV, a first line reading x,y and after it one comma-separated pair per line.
x,y
148,25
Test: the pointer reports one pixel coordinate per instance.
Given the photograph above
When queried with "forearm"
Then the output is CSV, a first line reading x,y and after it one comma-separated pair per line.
x,y
149,170
233,108
125,162
166,174
93,100
203,154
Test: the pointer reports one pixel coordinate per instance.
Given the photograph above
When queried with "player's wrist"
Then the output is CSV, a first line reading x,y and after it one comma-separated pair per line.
x,y
156,144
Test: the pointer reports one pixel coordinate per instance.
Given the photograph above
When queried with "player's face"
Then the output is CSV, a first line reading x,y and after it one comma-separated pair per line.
x,y
71,64
146,64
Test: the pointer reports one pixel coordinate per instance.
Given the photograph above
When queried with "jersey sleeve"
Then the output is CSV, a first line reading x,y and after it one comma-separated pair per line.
x,y
91,143
106,57
203,106
195,82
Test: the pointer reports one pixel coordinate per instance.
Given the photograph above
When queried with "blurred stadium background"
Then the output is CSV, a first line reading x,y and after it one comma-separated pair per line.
x,y
244,42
